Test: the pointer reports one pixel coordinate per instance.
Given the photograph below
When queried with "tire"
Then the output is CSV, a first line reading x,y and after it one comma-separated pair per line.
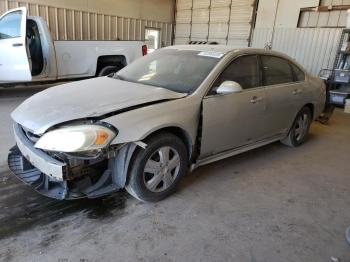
x,y
300,129
164,172
108,70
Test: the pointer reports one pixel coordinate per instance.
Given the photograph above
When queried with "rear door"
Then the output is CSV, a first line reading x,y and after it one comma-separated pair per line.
x,y
14,63
284,92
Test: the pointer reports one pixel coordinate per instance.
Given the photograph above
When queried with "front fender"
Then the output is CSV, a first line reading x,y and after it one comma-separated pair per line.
x,y
136,125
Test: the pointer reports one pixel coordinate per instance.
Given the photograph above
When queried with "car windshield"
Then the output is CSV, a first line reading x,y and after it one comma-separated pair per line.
x,y
177,70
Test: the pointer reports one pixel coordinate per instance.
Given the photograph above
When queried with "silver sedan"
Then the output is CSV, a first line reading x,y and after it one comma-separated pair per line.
x,y
171,111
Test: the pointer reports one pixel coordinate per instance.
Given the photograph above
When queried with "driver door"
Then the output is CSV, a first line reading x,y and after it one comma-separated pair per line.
x,y
236,119
14,63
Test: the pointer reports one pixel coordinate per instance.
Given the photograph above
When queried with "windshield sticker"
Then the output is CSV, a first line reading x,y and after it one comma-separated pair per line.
x,y
213,54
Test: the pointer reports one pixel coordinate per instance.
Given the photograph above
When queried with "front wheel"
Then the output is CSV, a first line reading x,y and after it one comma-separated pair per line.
x,y
156,170
300,129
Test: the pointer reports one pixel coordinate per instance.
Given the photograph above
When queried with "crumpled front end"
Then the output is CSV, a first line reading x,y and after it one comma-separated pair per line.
x,y
32,176
63,176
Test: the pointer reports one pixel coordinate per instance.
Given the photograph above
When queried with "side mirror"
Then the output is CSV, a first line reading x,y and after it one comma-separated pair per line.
x,y
229,87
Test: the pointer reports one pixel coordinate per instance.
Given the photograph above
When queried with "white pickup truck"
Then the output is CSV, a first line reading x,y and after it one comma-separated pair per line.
x,y
28,53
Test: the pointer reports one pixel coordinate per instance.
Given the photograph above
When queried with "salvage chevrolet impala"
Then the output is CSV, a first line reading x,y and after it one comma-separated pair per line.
x,y
169,112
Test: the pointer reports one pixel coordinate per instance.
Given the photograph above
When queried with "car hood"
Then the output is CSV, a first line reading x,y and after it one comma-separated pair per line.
x,y
84,99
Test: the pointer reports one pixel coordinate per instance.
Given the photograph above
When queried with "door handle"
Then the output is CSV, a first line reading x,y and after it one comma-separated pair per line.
x,y
297,91
17,45
256,99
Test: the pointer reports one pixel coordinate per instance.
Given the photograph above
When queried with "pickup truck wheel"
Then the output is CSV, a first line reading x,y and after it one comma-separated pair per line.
x,y
300,129
108,70
156,170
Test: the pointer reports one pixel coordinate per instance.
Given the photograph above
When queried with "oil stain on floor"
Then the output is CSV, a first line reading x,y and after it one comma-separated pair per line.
x,y
22,208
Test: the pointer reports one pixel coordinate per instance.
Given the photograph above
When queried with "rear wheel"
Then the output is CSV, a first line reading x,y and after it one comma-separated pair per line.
x,y
300,129
156,170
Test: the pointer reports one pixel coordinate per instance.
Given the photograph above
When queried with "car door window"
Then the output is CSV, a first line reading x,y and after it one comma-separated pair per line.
x,y
10,25
299,75
243,70
276,70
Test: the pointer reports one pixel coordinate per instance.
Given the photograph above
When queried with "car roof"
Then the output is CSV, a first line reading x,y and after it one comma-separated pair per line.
x,y
227,49
202,48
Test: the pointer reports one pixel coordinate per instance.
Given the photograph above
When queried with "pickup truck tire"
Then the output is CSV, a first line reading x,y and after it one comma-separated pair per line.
x,y
156,170
109,70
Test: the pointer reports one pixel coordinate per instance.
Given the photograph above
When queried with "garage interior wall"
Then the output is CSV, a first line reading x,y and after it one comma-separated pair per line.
x,y
222,21
286,16
101,20
276,28
333,18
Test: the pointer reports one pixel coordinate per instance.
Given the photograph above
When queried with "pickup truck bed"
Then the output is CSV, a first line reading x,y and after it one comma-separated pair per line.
x,y
76,56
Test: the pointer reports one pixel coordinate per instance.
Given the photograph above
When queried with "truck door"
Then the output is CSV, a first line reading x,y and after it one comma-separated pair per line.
x,y
14,63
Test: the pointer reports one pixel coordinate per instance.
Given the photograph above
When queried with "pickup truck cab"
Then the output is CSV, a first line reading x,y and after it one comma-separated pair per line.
x,y
28,53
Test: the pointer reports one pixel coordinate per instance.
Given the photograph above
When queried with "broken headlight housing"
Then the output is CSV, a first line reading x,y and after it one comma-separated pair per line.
x,y
80,138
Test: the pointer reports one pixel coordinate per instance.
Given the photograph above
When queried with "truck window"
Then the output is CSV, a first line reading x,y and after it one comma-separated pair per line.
x,y
10,25
34,47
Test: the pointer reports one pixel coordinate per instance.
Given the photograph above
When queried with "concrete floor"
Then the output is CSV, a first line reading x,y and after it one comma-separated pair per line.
x,y
271,204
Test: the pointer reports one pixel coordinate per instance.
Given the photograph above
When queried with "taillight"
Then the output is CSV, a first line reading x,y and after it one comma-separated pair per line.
x,y
144,50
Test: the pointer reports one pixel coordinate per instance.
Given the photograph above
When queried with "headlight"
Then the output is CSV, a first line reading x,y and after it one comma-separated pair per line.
x,y
76,138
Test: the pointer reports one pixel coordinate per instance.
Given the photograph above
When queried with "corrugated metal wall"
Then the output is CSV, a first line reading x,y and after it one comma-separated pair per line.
x,y
314,48
222,21
69,24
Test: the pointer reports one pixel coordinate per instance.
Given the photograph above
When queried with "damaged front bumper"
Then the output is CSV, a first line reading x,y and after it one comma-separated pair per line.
x,y
55,178
32,176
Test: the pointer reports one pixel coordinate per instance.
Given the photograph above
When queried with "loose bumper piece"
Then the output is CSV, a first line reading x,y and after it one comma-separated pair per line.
x,y
48,176
42,161
32,176
62,190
